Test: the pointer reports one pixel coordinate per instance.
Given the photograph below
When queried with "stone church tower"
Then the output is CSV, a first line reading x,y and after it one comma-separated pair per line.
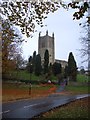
x,y
46,42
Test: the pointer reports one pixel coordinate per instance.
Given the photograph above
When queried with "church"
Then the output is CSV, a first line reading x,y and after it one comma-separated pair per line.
x,y
47,42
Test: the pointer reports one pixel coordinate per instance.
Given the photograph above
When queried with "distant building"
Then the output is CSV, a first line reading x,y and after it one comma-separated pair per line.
x,y
47,42
62,62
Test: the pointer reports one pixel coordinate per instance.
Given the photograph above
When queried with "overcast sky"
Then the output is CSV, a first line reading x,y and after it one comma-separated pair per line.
x,y
67,34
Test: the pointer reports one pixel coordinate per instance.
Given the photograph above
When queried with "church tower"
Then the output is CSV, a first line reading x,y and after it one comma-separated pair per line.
x,y
46,42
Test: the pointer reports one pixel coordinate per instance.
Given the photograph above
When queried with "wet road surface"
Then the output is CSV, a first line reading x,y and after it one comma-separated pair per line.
x,y
30,108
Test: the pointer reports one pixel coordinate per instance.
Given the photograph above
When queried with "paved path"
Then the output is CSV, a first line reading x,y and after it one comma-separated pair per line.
x,y
61,88
30,108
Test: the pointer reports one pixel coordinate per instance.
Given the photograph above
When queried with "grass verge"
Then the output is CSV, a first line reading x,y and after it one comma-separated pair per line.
x,y
77,109
77,89
12,91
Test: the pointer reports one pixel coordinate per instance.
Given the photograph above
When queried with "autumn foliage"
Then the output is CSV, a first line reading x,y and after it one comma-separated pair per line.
x,y
9,47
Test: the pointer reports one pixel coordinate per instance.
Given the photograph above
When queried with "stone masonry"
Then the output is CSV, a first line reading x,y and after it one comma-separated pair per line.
x,y
46,42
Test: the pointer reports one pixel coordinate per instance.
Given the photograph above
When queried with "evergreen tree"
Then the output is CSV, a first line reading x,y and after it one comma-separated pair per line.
x,y
30,65
30,59
38,67
57,68
50,68
72,67
34,60
66,71
46,61
49,74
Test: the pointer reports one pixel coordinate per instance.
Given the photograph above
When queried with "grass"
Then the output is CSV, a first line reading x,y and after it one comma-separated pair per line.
x,y
83,78
25,86
77,89
26,76
77,109
13,91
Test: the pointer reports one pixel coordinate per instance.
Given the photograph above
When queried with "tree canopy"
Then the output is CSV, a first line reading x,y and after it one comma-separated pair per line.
x,y
27,14
10,48
57,68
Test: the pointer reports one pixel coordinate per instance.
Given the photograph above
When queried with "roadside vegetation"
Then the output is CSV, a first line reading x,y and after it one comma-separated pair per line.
x,y
14,89
77,89
24,76
82,78
81,86
77,109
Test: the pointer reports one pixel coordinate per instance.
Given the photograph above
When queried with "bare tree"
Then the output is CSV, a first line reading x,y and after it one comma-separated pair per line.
x,y
89,40
85,41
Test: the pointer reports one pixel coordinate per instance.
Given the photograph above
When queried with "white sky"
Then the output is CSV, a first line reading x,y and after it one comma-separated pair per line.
x,y
66,32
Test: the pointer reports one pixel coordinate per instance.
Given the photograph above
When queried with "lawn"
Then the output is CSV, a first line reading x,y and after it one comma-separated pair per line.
x,y
25,76
14,91
78,109
83,78
77,89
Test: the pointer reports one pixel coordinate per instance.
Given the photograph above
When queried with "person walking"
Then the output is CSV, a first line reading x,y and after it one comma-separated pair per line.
x,y
65,80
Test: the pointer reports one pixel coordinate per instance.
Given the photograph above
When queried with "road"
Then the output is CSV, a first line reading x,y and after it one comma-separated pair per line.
x,y
30,108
